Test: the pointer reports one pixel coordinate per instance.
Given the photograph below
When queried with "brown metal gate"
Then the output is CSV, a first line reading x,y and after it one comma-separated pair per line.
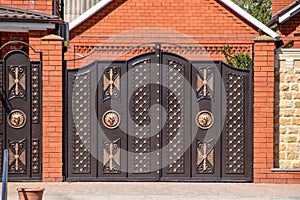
x,y
156,117
20,114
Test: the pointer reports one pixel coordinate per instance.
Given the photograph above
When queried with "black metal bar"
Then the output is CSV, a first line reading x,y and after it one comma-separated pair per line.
x,y
16,42
65,114
56,7
4,175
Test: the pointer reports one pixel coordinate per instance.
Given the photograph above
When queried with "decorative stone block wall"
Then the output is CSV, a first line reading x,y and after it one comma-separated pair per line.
x,y
287,121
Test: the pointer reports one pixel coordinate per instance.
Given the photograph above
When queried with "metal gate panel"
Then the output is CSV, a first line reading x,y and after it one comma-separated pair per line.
x,y
112,120
176,93
237,132
20,115
82,129
207,121
143,122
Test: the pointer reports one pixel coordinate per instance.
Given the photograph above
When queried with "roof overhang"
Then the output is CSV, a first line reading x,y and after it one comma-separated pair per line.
x,y
24,27
22,20
284,15
241,12
289,14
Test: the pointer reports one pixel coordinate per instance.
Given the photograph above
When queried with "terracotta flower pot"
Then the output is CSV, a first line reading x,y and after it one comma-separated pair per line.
x,y
30,193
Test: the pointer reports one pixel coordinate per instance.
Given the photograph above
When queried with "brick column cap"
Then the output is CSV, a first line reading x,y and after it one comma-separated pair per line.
x,y
264,38
52,37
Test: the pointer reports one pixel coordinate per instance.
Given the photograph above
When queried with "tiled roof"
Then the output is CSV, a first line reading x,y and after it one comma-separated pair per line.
x,y
9,14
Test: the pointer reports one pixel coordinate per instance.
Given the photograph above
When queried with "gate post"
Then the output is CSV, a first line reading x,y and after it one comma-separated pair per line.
x,y
263,123
52,108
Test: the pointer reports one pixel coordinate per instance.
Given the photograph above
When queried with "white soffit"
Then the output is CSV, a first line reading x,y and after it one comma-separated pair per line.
x,y
289,14
24,27
87,14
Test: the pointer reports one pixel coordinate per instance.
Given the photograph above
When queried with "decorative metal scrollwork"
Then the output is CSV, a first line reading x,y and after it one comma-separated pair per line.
x,y
205,156
140,107
81,133
235,147
111,157
111,83
205,83
35,91
17,81
175,110
204,119
16,119
17,156
35,155
111,119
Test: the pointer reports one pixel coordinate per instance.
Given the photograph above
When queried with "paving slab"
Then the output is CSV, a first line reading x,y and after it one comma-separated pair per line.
x,y
159,190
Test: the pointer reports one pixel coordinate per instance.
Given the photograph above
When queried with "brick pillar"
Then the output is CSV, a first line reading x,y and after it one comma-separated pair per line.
x,y
52,108
263,108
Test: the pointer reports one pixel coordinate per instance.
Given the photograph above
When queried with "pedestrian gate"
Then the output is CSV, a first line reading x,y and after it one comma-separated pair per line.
x,y
20,113
158,117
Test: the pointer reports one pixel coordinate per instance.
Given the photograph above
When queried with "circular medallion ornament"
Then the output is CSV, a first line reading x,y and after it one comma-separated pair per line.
x,y
111,119
16,119
204,119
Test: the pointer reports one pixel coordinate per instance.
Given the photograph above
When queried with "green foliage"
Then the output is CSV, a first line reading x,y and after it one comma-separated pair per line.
x,y
240,60
260,9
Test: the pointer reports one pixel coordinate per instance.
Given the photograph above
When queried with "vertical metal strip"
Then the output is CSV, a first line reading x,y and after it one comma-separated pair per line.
x,y
1,151
1,92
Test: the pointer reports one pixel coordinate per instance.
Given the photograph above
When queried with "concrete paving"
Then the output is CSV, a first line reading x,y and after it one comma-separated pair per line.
x,y
159,190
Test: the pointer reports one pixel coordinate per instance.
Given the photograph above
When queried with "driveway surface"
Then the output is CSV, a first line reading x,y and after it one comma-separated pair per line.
x,y
159,190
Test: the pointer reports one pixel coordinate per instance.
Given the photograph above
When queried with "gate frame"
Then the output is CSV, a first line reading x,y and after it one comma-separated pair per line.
x,y
250,177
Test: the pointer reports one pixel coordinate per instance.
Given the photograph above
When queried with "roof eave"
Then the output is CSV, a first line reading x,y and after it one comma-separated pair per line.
x,y
250,18
289,14
284,15
24,27
51,21
12,14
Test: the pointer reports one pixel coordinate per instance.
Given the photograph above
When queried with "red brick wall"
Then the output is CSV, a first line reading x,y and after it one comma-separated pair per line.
x,y
278,5
208,21
37,5
193,18
6,37
264,117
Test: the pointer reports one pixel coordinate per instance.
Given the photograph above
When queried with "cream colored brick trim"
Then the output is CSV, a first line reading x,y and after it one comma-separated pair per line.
x,y
289,56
